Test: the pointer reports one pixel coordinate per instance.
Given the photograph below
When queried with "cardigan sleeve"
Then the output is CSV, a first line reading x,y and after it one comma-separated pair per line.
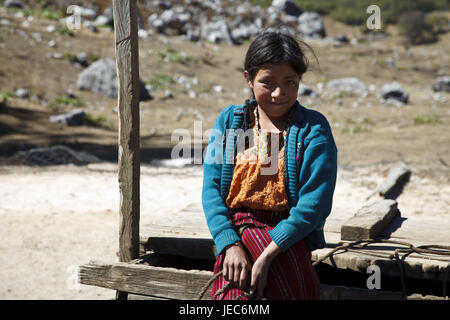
x,y
216,212
317,180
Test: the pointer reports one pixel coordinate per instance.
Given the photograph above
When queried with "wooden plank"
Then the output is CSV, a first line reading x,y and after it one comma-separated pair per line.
x,y
171,283
186,242
369,221
358,260
127,61
168,283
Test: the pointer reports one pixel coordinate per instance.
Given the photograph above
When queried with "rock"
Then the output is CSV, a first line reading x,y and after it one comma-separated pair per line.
x,y
70,94
36,36
88,13
73,118
82,59
310,25
168,94
245,30
142,34
52,43
102,20
287,6
441,84
55,155
350,84
304,90
217,31
191,32
22,93
192,94
90,26
394,91
101,77
342,38
13,4
51,28
393,102
175,18
218,89
438,97
372,36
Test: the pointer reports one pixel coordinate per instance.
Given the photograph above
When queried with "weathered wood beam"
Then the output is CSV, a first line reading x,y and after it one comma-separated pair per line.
x,y
170,283
127,59
161,282
369,221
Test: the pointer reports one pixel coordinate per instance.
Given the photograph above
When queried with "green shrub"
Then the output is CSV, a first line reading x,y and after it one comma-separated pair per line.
x,y
415,30
58,103
98,121
437,23
321,7
350,16
4,96
426,119
262,3
65,31
173,55
160,81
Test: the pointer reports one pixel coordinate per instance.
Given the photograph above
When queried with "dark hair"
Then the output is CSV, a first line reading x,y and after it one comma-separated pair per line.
x,y
274,47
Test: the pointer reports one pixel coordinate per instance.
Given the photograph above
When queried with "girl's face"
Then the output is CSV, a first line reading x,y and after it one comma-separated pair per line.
x,y
275,87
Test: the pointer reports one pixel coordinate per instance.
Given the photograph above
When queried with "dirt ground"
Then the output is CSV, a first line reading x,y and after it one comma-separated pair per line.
x,y
55,218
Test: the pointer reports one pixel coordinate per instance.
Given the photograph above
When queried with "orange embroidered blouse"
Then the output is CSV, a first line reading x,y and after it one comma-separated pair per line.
x,y
257,184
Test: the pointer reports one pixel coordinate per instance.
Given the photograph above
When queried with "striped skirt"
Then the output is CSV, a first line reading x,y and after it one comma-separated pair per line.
x,y
291,275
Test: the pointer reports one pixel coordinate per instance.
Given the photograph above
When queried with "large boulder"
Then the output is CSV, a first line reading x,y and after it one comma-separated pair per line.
x,y
101,77
310,25
217,31
13,4
349,84
287,6
394,91
174,18
72,118
441,84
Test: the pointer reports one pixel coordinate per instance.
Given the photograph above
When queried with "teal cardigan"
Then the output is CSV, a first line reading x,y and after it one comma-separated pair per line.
x,y
310,175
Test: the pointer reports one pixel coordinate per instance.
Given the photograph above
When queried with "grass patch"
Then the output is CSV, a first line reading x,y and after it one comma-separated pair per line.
x,y
65,31
98,120
355,129
426,119
40,13
172,55
160,81
72,57
58,103
4,97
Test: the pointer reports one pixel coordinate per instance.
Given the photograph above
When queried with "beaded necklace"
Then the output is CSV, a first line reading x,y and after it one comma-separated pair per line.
x,y
258,127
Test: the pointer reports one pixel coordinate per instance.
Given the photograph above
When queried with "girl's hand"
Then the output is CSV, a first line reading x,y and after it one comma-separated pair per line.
x,y
236,265
260,270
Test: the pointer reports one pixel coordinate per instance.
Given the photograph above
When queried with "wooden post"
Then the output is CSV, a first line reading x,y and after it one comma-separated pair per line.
x,y
127,59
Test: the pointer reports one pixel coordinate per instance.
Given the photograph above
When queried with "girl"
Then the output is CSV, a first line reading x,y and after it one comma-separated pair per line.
x,y
266,222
